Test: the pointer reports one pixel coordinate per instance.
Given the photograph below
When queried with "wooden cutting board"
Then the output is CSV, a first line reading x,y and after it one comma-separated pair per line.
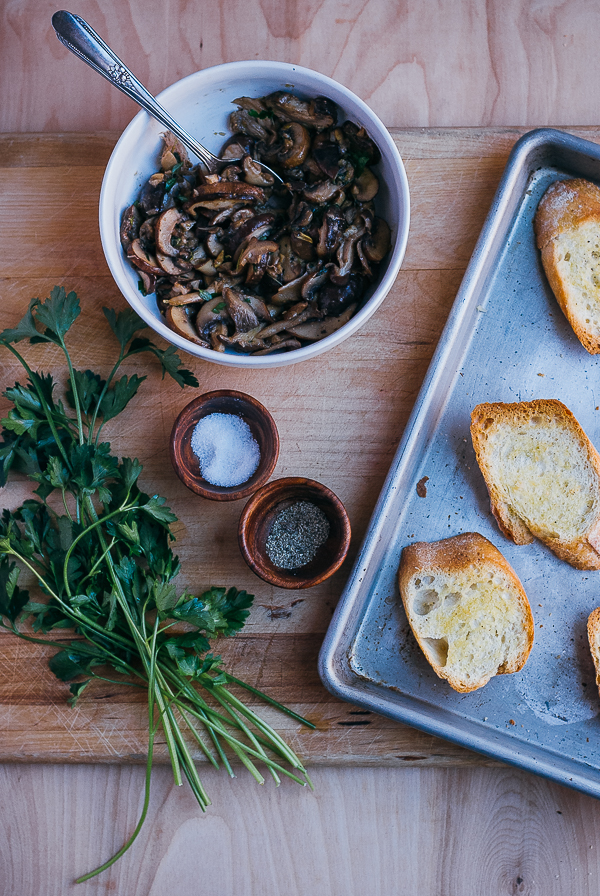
x,y
340,418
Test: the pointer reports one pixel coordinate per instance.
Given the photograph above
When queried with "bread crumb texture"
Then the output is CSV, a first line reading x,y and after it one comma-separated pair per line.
x,y
547,477
467,609
470,627
576,255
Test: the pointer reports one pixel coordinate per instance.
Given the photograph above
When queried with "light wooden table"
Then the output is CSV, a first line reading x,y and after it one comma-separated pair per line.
x,y
456,826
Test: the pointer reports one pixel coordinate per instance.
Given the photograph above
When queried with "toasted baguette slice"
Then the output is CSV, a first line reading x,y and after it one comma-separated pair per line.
x,y
593,631
467,609
543,476
567,227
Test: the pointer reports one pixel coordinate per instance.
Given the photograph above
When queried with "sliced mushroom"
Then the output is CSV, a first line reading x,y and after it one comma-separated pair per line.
x,y
237,237
315,282
319,329
170,267
302,245
333,299
198,256
290,292
303,215
241,120
165,229
229,214
207,267
236,146
330,233
175,150
296,144
365,187
360,143
286,345
214,245
179,289
259,307
281,325
231,173
321,193
147,233
152,197
211,312
216,333
292,267
363,259
188,298
345,252
148,282
311,113
247,342
255,174
179,320
211,207
326,153
138,256
377,245
256,252
227,189
239,311
130,226
251,104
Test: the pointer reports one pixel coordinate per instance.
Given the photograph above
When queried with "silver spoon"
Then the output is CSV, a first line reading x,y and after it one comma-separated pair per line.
x,y
82,40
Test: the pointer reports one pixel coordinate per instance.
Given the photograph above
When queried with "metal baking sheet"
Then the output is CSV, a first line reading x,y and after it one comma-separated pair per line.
x,y
506,339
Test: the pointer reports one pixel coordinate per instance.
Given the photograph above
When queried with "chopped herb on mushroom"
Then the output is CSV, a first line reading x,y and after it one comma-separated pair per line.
x,y
241,262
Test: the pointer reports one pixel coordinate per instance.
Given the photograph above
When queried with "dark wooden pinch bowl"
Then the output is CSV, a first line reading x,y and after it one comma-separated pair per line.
x,y
225,401
259,515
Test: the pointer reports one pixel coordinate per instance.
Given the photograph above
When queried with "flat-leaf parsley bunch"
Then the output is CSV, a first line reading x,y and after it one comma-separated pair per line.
x,y
104,565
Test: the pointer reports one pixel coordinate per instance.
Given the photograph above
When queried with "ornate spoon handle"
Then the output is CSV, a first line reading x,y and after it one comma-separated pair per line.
x,y
82,40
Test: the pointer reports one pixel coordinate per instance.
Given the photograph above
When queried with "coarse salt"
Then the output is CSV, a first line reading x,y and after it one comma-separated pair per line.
x,y
227,451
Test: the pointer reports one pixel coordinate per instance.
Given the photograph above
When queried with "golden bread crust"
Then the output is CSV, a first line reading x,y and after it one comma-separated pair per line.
x,y
593,633
564,210
582,552
565,205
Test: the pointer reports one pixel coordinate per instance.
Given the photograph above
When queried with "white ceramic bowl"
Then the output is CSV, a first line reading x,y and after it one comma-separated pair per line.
x,y
202,103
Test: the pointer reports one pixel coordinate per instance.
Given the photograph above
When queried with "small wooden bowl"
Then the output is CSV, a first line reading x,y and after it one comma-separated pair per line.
x,y
224,401
259,515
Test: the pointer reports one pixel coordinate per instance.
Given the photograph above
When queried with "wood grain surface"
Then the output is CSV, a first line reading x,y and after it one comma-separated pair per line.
x,y
378,831
425,64
339,417
381,832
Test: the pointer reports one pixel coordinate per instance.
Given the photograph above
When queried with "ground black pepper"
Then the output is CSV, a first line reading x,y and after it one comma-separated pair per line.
x,y
296,535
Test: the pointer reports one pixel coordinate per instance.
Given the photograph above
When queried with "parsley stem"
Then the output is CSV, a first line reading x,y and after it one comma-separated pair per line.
x,y
142,649
74,389
196,736
109,380
148,777
240,748
247,731
131,684
271,701
98,522
43,402
260,724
